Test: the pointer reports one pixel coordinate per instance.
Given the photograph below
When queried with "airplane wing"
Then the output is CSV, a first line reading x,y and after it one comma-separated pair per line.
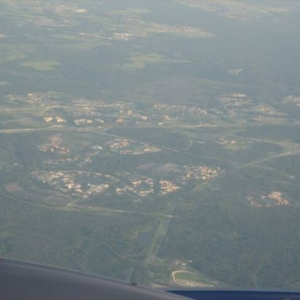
x,y
26,281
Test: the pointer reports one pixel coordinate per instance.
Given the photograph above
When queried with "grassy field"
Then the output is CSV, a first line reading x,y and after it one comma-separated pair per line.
x,y
186,278
10,53
140,61
41,65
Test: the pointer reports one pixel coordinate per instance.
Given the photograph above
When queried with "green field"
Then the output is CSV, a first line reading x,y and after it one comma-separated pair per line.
x,y
41,65
140,61
186,278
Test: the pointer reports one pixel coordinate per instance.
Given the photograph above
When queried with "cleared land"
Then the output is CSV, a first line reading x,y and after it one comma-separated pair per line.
x,y
41,65
189,279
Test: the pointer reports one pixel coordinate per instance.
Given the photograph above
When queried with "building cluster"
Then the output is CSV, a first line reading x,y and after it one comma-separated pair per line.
x,y
182,30
277,197
55,119
123,36
144,29
292,99
101,103
42,99
118,144
140,186
54,23
53,145
106,114
99,112
80,183
226,141
200,172
240,108
53,149
266,110
87,157
182,109
273,199
235,100
85,184
167,187
83,121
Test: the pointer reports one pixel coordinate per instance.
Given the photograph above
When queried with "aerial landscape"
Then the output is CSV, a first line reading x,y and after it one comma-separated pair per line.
x,y
154,142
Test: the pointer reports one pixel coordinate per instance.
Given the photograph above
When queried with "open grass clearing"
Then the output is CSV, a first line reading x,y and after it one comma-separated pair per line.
x,y
190,279
140,61
46,65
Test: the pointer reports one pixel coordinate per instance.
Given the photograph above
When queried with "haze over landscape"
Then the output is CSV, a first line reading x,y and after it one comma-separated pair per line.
x,y
152,141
